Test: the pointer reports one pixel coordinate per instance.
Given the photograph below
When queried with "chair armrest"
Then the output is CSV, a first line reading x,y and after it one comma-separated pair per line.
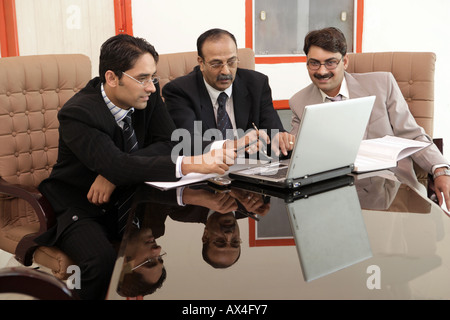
x,y
34,197
35,283
44,212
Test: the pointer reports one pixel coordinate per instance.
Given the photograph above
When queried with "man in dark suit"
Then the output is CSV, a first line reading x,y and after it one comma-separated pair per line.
x,y
102,157
192,100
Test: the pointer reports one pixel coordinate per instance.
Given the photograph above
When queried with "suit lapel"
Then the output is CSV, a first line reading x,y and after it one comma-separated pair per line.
x,y
241,103
355,90
206,107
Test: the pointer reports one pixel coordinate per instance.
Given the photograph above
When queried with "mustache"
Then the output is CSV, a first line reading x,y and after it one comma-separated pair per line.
x,y
222,77
323,76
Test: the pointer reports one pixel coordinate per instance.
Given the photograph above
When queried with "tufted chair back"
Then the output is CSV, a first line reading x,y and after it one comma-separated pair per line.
x,y
32,90
414,72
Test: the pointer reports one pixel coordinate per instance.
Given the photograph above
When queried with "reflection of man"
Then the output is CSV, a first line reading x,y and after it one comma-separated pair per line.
x,y
194,97
144,271
327,59
221,236
221,240
217,210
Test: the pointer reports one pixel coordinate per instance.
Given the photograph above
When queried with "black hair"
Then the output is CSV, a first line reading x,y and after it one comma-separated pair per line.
x,y
120,53
330,39
212,34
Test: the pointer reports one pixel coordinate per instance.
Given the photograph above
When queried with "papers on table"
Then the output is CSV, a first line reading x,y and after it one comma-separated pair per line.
x,y
187,179
192,178
383,153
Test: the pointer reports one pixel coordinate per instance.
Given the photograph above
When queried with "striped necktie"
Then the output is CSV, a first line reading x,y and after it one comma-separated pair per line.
x,y
131,143
337,98
223,121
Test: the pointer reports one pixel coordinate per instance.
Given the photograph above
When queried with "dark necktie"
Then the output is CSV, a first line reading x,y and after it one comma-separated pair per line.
x,y
131,143
223,121
123,205
337,98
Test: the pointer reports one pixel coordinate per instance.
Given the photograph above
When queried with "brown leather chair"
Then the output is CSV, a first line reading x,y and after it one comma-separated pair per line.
x,y
32,90
414,73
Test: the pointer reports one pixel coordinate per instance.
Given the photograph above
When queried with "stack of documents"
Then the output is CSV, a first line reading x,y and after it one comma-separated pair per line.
x,y
383,153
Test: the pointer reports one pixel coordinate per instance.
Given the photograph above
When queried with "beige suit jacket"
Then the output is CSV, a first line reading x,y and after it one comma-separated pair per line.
x,y
390,114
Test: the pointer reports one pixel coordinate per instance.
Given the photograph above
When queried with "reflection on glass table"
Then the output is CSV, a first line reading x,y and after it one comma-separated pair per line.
x,y
216,251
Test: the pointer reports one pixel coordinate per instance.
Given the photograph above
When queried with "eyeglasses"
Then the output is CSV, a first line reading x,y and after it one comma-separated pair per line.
x,y
221,243
145,82
315,65
219,65
151,260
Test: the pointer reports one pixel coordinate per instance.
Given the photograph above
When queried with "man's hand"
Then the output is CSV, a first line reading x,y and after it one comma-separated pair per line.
x,y
216,161
219,202
252,202
442,186
252,142
100,191
284,142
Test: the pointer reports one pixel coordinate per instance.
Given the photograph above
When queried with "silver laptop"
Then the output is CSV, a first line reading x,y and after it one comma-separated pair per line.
x,y
329,237
326,146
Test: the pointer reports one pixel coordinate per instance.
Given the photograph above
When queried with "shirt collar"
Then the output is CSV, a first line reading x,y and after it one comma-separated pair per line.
x,y
214,93
342,91
118,113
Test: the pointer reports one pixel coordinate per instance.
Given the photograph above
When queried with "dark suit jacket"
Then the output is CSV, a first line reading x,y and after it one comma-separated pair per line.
x,y
91,143
187,100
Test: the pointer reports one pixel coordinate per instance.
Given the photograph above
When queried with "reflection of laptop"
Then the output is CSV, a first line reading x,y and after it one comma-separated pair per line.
x,y
326,145
290,195
329,231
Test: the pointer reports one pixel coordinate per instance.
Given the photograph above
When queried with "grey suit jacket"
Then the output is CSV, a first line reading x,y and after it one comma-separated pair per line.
x,y
390,113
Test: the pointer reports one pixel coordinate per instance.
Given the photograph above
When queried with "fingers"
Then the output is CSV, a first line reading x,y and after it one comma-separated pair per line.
x,y
226,203
283,142
442,190
262,135
97,198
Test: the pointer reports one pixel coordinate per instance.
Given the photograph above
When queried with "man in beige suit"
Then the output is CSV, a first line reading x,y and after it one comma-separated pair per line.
x,y
326,52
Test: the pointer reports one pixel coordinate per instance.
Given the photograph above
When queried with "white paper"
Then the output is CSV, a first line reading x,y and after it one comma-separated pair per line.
x,y
194,177
187,179
444,205
383,153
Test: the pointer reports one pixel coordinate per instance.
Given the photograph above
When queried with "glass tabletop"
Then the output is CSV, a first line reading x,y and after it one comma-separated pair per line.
x,y
353,237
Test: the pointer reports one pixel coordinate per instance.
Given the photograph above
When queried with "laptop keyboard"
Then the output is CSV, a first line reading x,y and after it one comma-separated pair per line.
x,y
273,170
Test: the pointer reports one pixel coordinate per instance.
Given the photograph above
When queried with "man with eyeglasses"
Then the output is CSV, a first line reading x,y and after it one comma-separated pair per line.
x,y
114,135
327,59
193,100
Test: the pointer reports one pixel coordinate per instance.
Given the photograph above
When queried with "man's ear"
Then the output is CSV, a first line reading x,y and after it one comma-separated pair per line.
x,y
200,63
205,236
111,78
345,61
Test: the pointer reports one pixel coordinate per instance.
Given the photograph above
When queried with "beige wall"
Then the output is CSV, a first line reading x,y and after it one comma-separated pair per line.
x,y
64,26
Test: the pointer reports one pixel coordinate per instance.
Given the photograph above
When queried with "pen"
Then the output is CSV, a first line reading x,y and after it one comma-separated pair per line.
x,y
251,143
263,151
246,146
248,214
